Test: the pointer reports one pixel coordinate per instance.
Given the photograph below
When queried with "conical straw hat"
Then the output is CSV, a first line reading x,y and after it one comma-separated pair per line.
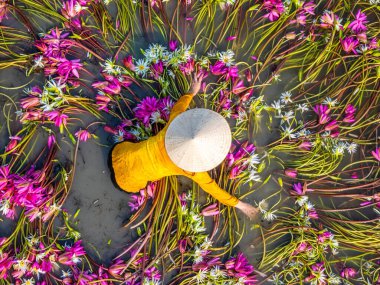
x,y
198,140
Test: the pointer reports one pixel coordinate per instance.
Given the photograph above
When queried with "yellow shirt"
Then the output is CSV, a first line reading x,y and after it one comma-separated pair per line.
x,y
134,164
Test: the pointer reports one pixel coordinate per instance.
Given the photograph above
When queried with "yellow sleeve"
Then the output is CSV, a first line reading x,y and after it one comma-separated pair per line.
x,y
180,106
209,185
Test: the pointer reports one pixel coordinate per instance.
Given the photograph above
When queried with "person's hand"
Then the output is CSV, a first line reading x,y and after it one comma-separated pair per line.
x,y
250,211
196,83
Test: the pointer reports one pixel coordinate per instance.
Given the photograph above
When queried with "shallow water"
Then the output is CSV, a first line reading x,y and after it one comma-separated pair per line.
x,y
103,208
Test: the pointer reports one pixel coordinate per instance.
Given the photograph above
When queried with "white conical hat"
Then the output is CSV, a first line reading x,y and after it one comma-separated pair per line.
x,y
198,140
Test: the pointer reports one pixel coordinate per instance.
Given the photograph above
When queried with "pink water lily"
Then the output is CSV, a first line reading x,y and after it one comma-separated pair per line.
x,y
6,262
219,68
136,202
274,8
348,272
67,68
30,102
309,7
83,135
51,141
330,20
302,247
117,268
349,44
299,189
102,102
317,274
359,24
292,173
70,9
58,118
14,140
211,210
146,108
349,114
128,62
188,67
323,113
332,125
376,153
324,236
182,245
173,45
72,254
157,69
240,267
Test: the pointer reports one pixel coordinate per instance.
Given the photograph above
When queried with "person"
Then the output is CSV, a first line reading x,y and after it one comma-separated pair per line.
x,y
191,143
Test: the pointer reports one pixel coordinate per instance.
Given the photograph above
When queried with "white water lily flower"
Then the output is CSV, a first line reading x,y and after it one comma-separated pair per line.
x,y
216,273
153,281
351,148
206,243
201,276
38,62
21,265
330,102
286,97
287,116
226,57
141,67
66,274
253,160
4,207
288,132
109,66
277,106
76,259
29,281
309,206
334,279
269,216
302,107
253,176
301,200
339,148
276,77
119,137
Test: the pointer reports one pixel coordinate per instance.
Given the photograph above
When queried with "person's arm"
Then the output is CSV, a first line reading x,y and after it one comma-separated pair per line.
x,y
209,185
180,106
183,103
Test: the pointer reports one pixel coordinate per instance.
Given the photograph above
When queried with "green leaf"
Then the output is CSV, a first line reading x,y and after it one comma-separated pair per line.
x,y
255,226
300,74
76,36
109,242
252,8
261,167
266,180
280,182
76,214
